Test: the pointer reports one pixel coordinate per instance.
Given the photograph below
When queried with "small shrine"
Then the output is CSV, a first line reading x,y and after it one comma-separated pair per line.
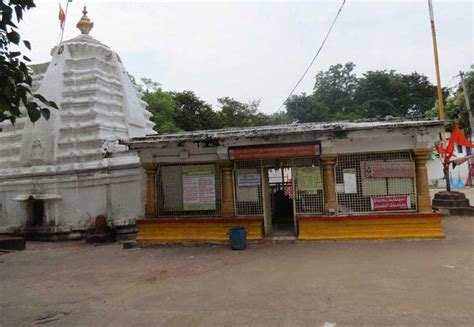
x,y
338,181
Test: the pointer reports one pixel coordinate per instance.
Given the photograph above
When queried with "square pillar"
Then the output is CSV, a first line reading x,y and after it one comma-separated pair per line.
x,y
227,185
423,197
151,199
328,162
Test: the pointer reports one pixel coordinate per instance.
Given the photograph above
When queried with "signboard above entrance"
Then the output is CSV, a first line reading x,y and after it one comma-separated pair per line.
x,y
274,152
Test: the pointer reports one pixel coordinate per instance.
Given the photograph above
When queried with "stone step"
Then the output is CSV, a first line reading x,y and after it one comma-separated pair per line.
x,y
451,203
281,238
12,243
469,211
462,211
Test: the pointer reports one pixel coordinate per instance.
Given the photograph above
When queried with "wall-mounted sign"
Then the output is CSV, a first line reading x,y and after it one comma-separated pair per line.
x,y
308,179
381,169
350,181
390,203
273,152
248,180
199,188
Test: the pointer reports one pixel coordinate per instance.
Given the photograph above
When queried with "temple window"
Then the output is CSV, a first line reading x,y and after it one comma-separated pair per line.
x,y
189,190
375,182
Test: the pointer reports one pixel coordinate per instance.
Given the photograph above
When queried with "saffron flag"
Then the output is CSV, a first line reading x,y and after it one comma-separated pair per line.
x,y
62,17
457,137
462,140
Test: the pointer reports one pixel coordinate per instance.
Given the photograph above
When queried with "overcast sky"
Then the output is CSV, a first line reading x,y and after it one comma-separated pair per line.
x,y
258,49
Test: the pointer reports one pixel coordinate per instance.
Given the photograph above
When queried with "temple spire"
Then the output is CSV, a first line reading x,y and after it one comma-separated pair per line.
x,y
85,24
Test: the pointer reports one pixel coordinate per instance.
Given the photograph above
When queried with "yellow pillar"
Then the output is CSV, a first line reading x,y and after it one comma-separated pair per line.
x,y
151,201
227,188
423,197
328,162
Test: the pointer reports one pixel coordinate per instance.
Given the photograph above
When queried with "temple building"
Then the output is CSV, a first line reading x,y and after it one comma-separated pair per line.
x,y
58,175
313,181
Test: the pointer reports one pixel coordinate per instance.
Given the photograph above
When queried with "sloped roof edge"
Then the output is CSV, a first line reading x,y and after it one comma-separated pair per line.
x,y
274,130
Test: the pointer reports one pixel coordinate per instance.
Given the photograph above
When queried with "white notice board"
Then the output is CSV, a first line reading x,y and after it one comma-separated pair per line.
x,y
199,188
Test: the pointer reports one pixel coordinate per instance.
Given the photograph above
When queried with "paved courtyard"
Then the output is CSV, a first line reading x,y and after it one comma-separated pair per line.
x,y
358,283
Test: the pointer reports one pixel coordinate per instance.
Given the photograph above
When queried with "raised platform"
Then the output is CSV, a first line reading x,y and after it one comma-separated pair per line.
x,y
196,229
372,226
453,203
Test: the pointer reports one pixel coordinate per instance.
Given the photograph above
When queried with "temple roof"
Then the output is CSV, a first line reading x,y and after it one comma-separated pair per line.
x,y
277,130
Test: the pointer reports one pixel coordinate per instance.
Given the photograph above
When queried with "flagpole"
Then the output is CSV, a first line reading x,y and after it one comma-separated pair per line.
x,y
440,95
438,77
65,18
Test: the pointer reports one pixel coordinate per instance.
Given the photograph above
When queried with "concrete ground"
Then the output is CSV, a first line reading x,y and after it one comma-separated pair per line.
x,y
356,283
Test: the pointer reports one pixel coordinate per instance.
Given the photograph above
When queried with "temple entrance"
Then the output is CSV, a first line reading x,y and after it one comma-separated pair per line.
x,y
280,189
36,212
278,182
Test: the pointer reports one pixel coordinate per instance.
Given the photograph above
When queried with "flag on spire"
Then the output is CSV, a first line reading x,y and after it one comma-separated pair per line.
x,y
62,17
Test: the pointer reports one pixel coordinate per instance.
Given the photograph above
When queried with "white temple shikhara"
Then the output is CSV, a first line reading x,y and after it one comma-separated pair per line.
x,y
57,175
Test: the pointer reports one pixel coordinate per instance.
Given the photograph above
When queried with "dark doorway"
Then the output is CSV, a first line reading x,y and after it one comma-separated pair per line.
x,y
36,212
282,202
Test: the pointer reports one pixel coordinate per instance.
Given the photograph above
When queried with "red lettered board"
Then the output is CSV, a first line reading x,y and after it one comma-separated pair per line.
x,y
305,150
390,203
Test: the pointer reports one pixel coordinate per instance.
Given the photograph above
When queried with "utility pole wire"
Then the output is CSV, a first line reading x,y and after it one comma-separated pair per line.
x,y
315,56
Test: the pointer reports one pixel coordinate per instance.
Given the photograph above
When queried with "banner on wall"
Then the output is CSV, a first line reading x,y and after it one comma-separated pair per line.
x,y
308,179
382,169
390,203
199,188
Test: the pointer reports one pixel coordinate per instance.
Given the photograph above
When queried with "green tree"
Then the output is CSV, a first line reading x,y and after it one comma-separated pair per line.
x,y
279,118
306,108
339,95
194,114
455,107
332,97
237,114
163,108
15,77
418,94
335,87
375,95
383,93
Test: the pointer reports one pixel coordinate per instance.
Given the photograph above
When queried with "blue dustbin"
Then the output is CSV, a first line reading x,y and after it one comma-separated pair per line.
x,y
238,238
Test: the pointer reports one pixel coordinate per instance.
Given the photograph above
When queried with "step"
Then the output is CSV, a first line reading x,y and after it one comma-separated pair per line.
x,y
469,211
281,238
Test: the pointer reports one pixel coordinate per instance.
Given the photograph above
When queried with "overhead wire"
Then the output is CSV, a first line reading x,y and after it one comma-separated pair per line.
x,y
315,56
